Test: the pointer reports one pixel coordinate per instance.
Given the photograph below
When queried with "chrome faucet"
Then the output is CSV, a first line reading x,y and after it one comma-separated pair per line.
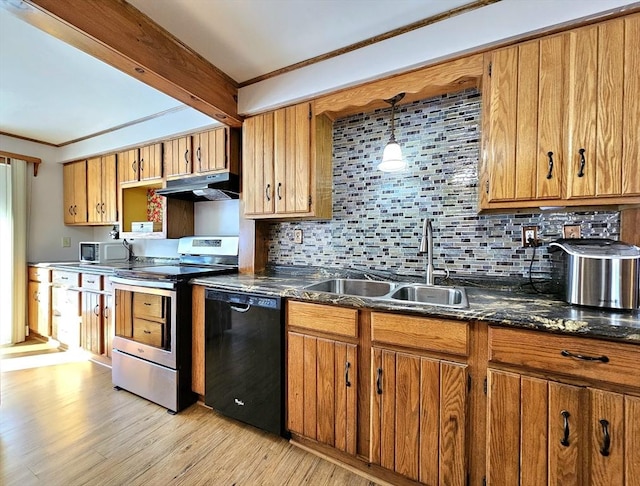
x,y
426,246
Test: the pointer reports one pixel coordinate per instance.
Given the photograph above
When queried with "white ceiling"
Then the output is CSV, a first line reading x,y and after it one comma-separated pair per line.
x,y
54,93
249,38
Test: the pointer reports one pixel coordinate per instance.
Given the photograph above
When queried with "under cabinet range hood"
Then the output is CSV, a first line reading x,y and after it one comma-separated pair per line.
x,y
213,187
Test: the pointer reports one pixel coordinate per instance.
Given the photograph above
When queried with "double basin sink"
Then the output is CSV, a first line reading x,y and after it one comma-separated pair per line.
x,y
392,291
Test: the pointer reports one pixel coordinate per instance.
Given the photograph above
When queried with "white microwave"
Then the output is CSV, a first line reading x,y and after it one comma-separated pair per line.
x,y
101,252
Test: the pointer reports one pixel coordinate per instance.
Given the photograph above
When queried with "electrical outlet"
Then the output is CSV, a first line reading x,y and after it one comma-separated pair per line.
x,y
529,236
66,242
297,236
571,231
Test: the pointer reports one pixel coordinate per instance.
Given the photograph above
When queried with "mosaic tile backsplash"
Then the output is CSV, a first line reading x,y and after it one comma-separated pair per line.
x,y
377,217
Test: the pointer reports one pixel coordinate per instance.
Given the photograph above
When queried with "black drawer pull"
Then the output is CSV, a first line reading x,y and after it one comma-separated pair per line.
x,y
550,173
146,331
565,439
379,382
568,354
582,162
347,365
606,440
267,192
278,191
147,303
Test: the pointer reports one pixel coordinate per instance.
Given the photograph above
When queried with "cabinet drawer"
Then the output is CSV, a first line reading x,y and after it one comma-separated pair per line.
x,y
60,277
148,306
441,335
148,332
107,285
550,353
323,318
91,281
37,274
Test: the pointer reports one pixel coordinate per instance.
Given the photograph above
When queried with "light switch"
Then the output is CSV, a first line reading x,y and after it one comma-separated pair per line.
x,y
66,242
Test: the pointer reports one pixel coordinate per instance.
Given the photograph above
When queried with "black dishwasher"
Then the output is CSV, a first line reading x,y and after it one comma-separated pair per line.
x,y
244,358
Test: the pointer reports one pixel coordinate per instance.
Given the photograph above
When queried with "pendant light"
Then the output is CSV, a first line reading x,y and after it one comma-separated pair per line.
x,y
392,160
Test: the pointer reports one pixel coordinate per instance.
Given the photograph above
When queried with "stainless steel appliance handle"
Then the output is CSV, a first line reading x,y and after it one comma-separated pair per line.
x,y
155,284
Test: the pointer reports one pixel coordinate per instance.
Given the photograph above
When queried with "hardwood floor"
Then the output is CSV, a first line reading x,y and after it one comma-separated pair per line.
x,y
66,425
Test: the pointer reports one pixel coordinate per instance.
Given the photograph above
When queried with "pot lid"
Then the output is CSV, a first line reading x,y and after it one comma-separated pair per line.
x,y
596,248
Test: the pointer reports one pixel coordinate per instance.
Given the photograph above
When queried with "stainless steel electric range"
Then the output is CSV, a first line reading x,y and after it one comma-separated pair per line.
x,y
152,344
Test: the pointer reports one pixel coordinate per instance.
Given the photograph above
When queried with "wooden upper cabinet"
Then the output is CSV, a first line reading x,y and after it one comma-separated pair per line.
x,y
128,166
596,82
150,166
216,150
178,157
257,165
560,119
287,156
631,107
75,192
523,122
140,164
102,190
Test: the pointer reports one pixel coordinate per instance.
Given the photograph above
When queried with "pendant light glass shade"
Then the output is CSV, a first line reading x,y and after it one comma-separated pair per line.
x,y
392,160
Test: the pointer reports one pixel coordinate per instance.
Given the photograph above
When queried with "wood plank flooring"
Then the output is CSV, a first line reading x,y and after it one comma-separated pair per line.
x,y
65,425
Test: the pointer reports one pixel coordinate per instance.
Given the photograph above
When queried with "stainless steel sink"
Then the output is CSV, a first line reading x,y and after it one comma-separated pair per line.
x,y
348,286
432,295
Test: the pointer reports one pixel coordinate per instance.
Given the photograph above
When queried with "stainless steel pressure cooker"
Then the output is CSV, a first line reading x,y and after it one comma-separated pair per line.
x,y
598,272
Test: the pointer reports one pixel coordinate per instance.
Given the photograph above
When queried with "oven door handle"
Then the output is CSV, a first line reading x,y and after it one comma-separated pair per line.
x,y
157,284
240,307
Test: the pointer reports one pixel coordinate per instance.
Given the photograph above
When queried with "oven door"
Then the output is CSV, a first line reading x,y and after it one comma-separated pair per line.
x,y
145,322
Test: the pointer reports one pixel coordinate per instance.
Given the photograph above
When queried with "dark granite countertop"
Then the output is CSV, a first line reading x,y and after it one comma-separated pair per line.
x,y
107,269
499,305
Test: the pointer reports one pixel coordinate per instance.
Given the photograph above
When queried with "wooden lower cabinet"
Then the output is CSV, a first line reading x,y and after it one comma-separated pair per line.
x,y
322,390
39,310
66,318
418,417
547,432
91,332
107,325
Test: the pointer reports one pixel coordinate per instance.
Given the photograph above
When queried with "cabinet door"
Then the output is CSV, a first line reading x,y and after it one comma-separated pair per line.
x,y
632,440
595,90
107,325
94,190
517,421
257,175
75,192
177,157
128,165
607,427
210,151
292,150
551,126
512,126
631,107
68,192
322,384
109,208
418,417
68,317
33,306
91,330
151,162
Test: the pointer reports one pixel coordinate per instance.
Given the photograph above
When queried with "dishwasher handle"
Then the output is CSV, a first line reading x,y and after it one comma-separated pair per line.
x,y
243,301
240,307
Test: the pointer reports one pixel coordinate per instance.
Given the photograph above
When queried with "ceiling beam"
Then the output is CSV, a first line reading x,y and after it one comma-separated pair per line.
x,y
120,35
